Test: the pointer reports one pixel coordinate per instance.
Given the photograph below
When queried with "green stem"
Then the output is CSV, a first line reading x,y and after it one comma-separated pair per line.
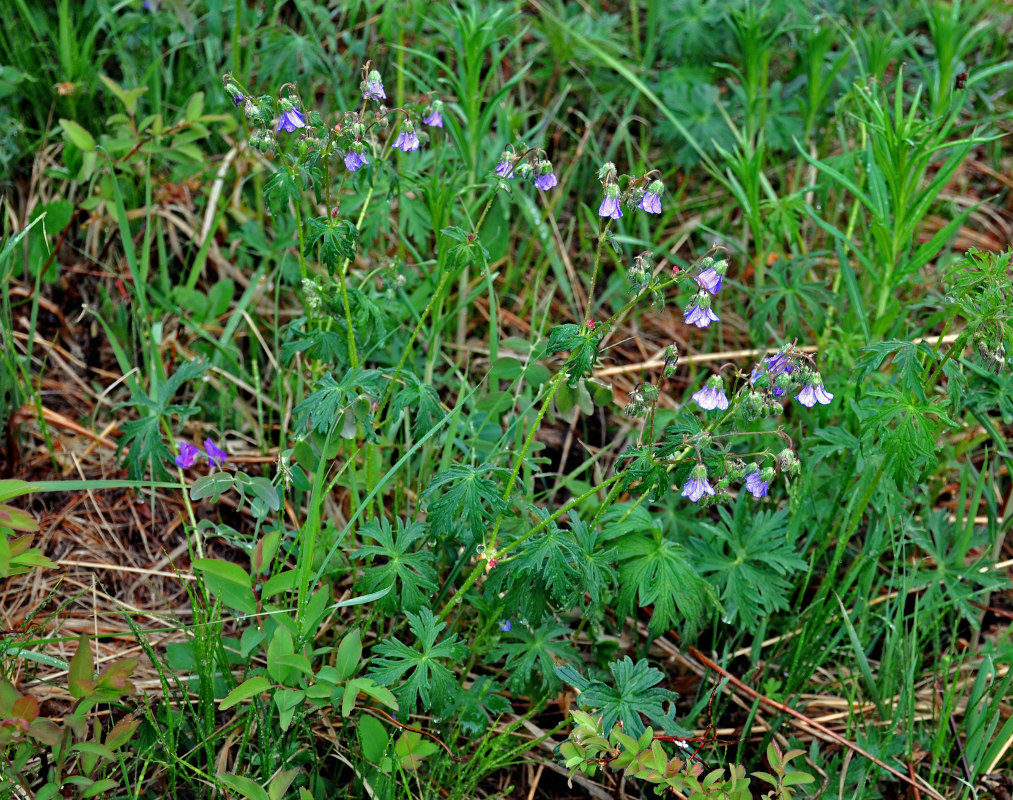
x,y
481,565
557,381
353,353
415,334
571,503
594,271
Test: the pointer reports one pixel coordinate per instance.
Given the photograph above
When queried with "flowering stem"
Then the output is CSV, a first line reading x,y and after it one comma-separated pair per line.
x,y
303,271
572,502
949,353
594,272
557,381
353,353
433,300
480,567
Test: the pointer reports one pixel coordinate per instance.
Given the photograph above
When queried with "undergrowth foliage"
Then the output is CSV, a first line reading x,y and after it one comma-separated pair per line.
x,y
407,548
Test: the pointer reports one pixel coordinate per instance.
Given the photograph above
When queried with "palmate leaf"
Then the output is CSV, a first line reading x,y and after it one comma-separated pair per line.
x,y
532,655
523,592
281,190
325,346
427,679
463,497
335,239
323,409
635,693
955,577
907,367
642,473
747,560
369,318
551,555
905,430
798,304
420,398
583,346
593,562
654,571
142,438
475,706
400,564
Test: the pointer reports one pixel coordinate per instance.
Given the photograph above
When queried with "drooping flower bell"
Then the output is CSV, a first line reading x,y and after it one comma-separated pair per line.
x,y
407,140
712,396
699,311
651,201
710,277
697,486
758,481
434,119
610,206
813,393
356,159
291,117
544,176
372,87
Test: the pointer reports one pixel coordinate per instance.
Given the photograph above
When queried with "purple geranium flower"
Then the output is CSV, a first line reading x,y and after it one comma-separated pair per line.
x,y
813,393
373,89
711,396
697,486
505,169
775,365
291,120
355,160
407,140
545,180
756,485
434,120
187,455
710,280
216,456
505,626
699,315
650,202
610,205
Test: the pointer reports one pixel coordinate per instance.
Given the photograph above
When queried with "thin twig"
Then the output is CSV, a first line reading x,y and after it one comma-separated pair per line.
x,y
823,732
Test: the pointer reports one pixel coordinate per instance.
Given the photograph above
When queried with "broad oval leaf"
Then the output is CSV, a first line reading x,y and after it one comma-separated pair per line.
x,y
244,691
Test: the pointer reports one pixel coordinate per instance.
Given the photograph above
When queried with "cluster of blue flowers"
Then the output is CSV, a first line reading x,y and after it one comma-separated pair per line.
x,y
352,129
646,198
528,164
699,312
756,479
769,381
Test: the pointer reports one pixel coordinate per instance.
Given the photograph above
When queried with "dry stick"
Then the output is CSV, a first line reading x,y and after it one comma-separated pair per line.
x,y
822,732
728,355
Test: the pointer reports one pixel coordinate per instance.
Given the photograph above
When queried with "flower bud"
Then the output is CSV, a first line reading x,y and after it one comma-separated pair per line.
x,y
608,173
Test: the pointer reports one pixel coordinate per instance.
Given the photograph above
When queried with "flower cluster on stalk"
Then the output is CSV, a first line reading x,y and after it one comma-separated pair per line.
x,y
353,137
527,164
761,394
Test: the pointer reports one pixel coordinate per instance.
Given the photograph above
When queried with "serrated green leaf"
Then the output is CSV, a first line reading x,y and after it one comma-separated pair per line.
x,y
635,693
418,670
400,561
